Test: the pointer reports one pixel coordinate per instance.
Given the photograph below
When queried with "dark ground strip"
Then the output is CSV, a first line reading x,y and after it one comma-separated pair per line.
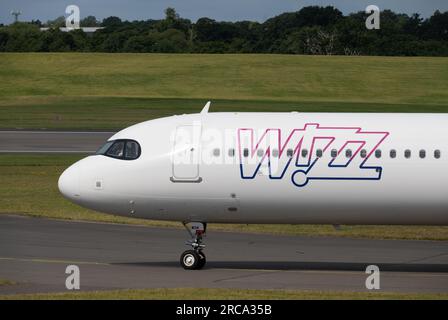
x,y
35,252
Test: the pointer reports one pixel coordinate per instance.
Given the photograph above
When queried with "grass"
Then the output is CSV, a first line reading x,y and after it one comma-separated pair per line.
x,y
223,294
29,186
4,282
112,91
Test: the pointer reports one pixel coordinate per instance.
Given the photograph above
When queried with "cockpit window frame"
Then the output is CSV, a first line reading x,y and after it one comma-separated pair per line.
x,y
105,147
122,148
123,157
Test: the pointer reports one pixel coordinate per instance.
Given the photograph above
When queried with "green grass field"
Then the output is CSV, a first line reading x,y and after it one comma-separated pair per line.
x,y
4,282
223,294
112,91
29,186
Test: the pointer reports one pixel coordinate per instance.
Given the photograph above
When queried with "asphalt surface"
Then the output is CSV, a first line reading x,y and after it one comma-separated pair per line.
x,y
51,141
34,253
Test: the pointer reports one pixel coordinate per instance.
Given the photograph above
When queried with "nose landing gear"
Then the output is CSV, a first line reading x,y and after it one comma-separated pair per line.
x,y
194,259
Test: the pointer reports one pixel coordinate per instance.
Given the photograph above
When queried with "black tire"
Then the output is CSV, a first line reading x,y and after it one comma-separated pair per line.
x,y
189,260
202,260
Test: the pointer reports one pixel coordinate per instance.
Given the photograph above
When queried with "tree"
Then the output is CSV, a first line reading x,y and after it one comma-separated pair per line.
x,y
89,21
171,15
23,37
279,28
114,42
169,41
318,16
80,40
174,21
313,40
4,37
311,30
210,30
142,43
436,27
413,25
37,22
112,22
59,22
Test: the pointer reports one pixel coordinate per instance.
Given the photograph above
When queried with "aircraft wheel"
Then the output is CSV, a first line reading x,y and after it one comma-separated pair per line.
x,y
190,260
202,260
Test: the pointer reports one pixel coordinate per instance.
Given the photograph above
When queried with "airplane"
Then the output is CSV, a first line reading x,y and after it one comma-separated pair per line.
x,y
269,168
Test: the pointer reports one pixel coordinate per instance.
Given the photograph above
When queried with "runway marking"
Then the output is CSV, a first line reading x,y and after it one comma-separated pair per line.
x,y
267,271
41,260
407,273
429,257
245,276
251,270
332,272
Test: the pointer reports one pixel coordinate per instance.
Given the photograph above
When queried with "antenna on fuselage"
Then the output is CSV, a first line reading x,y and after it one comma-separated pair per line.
x,y
206,107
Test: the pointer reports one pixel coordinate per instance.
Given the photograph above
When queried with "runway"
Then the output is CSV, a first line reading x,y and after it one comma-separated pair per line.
x,y
34,253
52,141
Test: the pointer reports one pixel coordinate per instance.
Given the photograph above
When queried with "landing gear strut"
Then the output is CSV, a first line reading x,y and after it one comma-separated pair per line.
x,y
194,259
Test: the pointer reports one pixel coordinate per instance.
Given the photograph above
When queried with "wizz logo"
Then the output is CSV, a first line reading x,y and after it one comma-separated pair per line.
x,y
314,152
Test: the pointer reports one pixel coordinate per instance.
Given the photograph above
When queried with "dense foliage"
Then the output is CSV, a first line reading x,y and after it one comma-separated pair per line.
x,y
312,30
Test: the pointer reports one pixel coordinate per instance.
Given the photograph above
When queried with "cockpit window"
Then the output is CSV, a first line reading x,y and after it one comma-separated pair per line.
x,y
104,147
121,149
117,150
132,150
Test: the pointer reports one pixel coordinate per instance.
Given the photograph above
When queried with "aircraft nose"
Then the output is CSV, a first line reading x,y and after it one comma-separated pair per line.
x,y
69,183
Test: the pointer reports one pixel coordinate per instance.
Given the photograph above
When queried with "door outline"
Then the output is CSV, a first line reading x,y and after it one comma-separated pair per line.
x,y
186,154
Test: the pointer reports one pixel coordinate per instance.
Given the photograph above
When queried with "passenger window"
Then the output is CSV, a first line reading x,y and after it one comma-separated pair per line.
x,y
216,152
422,154
132,150
304,153
348,153
378,153
407,154
437,154
231,152
290,153
319,153
275,153
260,152
334,153
393,154
246,152
363,153
116,150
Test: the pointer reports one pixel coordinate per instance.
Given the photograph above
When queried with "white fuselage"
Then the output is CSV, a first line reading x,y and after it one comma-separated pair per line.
x,y
314,168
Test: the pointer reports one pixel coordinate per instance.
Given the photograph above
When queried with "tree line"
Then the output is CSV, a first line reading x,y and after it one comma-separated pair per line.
x,y
311,30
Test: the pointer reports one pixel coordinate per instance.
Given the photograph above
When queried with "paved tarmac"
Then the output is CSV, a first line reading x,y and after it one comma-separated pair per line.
x,y
52,141
34,253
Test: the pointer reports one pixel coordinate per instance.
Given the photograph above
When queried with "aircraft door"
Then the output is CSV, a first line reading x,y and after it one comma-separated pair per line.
x,y
186,154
